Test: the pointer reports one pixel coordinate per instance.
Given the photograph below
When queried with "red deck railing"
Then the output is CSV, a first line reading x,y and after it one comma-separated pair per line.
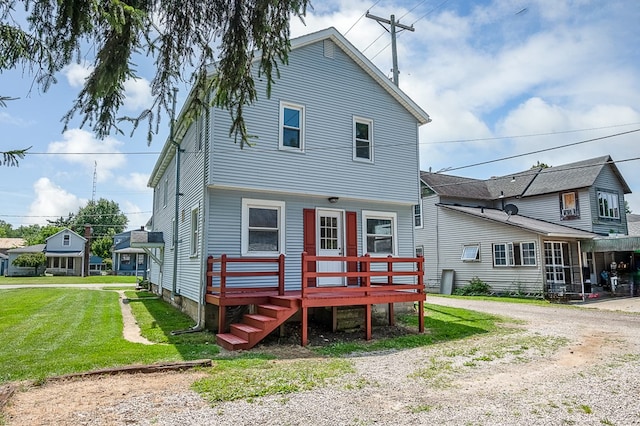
x,y
223,274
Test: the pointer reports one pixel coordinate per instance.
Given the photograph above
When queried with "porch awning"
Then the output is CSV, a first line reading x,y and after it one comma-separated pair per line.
x,y
606,244
63,253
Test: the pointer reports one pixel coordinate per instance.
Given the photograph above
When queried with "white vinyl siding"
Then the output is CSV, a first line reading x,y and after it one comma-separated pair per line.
x,y
291,127
362,139
379,233
471,253
262,227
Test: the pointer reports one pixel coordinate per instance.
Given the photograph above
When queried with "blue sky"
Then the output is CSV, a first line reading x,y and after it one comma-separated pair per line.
x,y
499,79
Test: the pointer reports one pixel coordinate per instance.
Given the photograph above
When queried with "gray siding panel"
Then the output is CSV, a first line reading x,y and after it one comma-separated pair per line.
x,y
332,91
224,226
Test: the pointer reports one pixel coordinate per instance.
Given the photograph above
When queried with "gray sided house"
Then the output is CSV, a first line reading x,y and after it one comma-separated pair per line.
x,y
522,232
20,271
334,171
65,253
128,260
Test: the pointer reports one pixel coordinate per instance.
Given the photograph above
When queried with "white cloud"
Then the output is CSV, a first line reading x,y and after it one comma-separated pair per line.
x,y
137,94
51,202
135,181
77,74
137,217
82,149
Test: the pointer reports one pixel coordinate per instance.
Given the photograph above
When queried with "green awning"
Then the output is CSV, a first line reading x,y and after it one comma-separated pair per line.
x,y
612,244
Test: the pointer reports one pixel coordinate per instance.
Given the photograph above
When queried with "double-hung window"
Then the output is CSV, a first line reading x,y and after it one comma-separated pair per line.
x,y
291,127
362,139
194,231
380,230
417,215
608,205
262,227
514,254
165,192
66,240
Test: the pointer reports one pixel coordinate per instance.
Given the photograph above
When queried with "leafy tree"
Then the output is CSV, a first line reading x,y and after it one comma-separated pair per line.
x,y
102,246
33,260
36,234
179,36
62,222
104,217
627,209
10,158
540,165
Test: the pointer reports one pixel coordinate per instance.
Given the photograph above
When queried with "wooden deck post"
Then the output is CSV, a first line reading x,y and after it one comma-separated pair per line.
x,y
420,265
281,274
303,333
222,314
392,316
421,316
223,274
367,313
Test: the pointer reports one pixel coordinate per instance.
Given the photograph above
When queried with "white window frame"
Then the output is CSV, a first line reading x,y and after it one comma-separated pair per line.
x,y
369,123
470,253
612,199
523,257
281,127
173,232
418,215
370,214
508,255
165,192
248,203
195,231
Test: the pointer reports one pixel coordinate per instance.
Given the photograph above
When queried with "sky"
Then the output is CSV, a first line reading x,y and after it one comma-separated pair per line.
x,y
506,83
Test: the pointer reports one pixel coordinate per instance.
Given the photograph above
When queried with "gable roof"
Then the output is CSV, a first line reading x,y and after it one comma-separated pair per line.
x,y
66,230
537,226
535,181
168,151
37,248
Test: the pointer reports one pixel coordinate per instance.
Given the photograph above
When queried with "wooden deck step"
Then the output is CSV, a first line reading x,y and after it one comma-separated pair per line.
x,y
258,321
231,342
244,331
273,311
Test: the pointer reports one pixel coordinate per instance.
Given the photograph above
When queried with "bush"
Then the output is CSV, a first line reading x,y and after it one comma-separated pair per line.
x,y
475,287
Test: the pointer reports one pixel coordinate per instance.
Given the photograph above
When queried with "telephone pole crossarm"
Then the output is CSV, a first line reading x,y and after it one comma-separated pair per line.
x,y
392,24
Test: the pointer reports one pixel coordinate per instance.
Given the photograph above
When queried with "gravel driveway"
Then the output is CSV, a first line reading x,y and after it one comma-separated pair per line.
x,y
558,366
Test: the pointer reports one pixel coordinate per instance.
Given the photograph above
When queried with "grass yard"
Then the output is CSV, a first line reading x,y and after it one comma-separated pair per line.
x,y
94,279
48,331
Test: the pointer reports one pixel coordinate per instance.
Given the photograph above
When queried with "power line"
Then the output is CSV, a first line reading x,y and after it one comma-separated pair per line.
x,y
543,150
361,16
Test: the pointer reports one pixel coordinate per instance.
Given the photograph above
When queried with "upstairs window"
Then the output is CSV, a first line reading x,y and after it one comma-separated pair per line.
x,y
165,192
291,127
569,205
66,240
362,139
608,205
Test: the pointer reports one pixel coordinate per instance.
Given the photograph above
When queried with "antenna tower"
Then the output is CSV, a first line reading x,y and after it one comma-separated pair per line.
x,y
95,178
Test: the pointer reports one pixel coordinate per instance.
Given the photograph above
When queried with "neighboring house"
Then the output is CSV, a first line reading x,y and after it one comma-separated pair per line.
x,y
521,232
4,263
7,244
334,172
96,265
129,260
633,224
65,253
20,271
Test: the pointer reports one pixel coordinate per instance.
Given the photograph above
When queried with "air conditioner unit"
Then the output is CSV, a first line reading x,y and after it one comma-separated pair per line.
x,y
568,212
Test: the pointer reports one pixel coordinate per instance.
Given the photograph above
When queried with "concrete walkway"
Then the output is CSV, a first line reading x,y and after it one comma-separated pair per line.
x,y
83,286
623,304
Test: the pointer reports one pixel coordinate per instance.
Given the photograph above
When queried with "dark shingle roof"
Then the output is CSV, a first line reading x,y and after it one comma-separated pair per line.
x,y
535,181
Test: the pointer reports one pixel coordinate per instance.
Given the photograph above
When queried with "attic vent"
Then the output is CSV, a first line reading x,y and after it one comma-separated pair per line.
x,y
328,49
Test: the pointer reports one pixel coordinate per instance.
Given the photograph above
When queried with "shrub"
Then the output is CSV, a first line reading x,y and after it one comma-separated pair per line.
x,y
475,287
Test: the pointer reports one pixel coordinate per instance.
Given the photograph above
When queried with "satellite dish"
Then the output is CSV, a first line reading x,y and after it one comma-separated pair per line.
x,y
511,209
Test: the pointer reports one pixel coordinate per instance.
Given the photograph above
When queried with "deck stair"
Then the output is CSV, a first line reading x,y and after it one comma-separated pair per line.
x,y
255,327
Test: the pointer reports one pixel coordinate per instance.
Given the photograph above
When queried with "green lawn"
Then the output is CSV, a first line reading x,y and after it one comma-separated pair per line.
x,y
48,331
97,279
53,331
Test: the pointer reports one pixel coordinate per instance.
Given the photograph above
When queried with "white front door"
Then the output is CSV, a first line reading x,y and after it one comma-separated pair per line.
x,y
330,240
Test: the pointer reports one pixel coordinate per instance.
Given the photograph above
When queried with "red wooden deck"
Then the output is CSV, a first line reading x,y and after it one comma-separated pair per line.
x,y
276,305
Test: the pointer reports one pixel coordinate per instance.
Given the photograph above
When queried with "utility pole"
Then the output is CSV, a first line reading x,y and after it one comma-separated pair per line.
x,y
393,24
